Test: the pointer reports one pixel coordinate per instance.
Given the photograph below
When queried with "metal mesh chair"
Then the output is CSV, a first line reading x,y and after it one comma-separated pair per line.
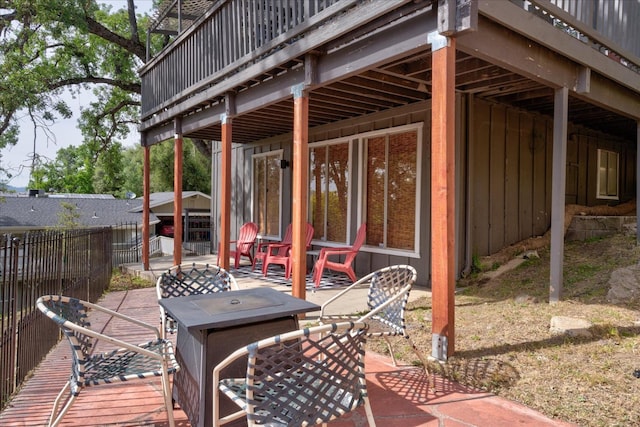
x,y
387,299
190,279
126,362
300,378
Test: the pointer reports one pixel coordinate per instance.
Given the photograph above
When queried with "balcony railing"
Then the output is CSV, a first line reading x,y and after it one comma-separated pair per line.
x,y
609,27
233,35
230,36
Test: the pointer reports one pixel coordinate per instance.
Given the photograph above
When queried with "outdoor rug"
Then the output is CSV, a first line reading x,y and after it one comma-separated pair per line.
x,y
275,275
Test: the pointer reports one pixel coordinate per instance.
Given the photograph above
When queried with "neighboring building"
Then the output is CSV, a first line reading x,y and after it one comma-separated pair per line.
x,y
22,214
196,214
37,210
450,131
40,211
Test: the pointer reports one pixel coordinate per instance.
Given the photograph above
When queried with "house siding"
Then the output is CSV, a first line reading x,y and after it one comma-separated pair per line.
x,y
367,260
507,176
510,173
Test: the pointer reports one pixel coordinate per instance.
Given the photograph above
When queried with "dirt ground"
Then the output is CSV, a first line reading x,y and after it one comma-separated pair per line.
x,y
503,342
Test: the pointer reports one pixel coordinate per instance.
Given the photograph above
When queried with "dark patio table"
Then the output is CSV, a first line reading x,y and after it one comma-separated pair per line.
x,y
212,326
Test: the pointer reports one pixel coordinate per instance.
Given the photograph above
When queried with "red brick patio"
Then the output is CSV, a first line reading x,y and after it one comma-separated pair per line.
x,y
399,396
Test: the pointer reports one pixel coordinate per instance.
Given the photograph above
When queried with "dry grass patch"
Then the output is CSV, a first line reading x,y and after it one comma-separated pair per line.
x,y
125,282
503,343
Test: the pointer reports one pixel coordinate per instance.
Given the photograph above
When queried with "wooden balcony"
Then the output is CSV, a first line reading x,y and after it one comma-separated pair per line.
x,y
230,36
255,51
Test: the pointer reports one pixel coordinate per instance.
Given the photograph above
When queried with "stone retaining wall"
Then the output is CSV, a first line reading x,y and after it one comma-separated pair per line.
x,y
588,227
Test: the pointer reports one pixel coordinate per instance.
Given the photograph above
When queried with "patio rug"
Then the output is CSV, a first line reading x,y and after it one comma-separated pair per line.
x,y
275,275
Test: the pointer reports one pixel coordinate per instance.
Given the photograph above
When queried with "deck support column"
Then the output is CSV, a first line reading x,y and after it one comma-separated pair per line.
x,y
637,180
177,192
558,191
146,235
299,192
225,193
443,195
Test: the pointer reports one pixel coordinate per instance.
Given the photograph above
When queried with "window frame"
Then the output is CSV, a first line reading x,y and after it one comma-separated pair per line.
x,y
616,196
362,164
280,155
327,143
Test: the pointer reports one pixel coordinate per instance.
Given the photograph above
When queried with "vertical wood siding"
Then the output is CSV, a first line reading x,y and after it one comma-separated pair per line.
x,y
511,175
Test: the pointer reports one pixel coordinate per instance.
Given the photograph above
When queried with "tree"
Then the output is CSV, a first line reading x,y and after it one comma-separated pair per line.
x,y
49,46
68,216
118,171
196,171
132,170
107,174
71,172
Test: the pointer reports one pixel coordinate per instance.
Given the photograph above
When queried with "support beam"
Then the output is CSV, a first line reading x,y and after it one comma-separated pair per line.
x,y
146,235
299,191
225,192
637,179
558,190
443,195
177,192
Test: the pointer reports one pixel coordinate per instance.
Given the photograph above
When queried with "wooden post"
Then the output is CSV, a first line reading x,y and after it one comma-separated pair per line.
x,y
558,191
443,195
299,191
146,235
177,193
637,180
225,193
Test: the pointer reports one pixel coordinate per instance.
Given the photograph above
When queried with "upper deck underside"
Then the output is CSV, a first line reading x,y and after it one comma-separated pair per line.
x,y
365,57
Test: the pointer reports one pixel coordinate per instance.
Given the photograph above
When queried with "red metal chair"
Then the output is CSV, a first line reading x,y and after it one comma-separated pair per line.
x,y
261,253
344,266
244,244
280,253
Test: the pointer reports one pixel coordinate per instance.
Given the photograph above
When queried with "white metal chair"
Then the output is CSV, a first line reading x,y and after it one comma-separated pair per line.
x,y
127,362
387,298
190,279
301,378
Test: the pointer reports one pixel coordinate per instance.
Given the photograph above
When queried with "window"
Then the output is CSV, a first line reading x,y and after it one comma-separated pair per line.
x,y
266,192
390,193
329,184
607,186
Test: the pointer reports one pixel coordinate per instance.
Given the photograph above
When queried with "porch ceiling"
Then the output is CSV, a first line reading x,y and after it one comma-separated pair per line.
x,y
404,82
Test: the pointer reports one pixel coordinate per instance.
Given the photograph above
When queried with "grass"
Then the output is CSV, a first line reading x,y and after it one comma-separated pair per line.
x,y
503,342
124,282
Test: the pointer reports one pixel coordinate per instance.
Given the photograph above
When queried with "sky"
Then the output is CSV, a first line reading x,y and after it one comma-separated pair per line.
x,y
17,159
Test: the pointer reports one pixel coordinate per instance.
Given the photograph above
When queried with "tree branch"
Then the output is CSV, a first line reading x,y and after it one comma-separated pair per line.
x,y
132,46
204,147
127,86
6,121
118,107
133,22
